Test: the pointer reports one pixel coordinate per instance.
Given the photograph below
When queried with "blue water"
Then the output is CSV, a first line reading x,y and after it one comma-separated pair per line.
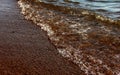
x,y
109,8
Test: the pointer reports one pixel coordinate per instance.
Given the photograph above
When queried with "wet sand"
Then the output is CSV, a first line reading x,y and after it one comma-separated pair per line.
x,y
25,49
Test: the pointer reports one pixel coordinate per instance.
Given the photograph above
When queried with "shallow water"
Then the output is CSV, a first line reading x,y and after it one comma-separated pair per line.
x,y
109,8
91,44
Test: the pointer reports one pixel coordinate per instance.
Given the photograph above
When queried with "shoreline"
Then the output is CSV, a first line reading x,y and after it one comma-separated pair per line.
x,y
25,49
92,39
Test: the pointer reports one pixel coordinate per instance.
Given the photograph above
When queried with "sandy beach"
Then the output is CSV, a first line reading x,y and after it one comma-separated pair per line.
x,y
25,49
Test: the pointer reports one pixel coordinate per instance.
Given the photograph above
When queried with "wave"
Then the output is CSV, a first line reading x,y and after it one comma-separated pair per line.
x,y
80,11
88,39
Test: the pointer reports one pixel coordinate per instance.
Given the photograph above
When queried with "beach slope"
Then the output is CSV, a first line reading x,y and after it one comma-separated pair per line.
x,y
25,49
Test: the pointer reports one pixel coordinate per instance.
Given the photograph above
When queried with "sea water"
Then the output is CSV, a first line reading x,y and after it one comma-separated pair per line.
x,y
73,27
109,8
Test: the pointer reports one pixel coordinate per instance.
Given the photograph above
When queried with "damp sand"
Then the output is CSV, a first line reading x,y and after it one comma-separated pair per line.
x,y
25,49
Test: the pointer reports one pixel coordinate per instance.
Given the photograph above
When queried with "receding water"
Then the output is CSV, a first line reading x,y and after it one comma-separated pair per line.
x,y
109,8
92,44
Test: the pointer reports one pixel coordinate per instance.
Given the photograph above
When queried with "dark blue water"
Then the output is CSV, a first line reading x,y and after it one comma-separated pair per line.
x,y
109,8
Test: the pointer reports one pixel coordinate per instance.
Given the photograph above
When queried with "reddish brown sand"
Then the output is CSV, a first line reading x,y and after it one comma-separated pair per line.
x,y
25,49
